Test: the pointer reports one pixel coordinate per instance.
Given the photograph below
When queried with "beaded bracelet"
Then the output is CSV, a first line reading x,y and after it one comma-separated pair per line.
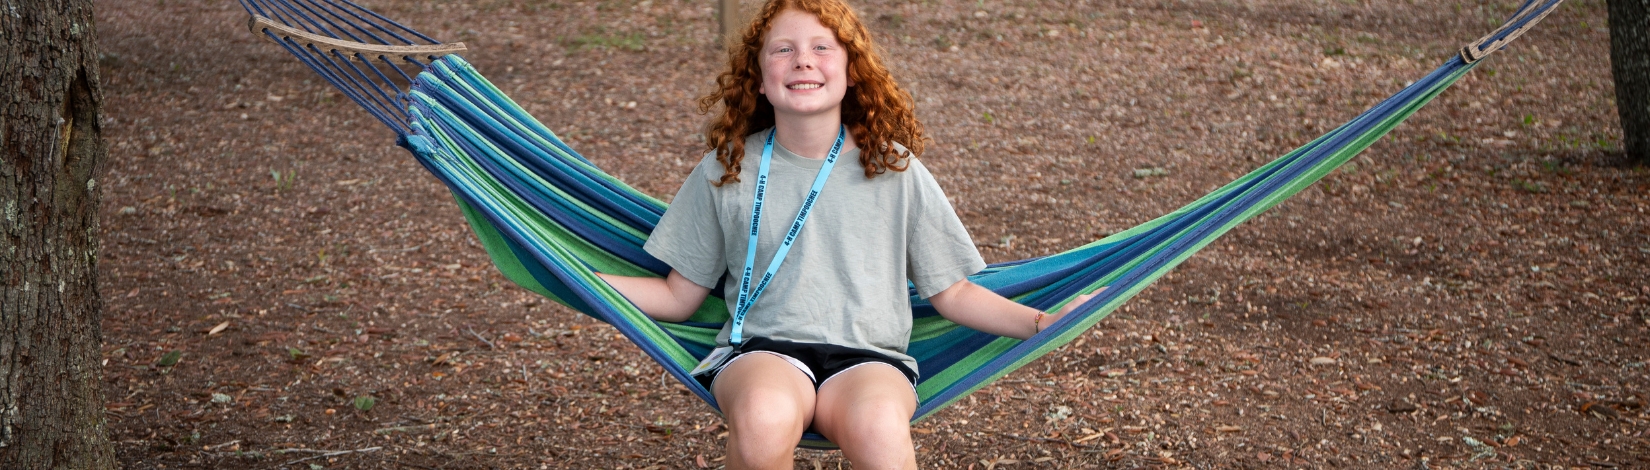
x,y
1037,322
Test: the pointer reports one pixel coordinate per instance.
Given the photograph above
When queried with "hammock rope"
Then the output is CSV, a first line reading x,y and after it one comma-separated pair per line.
x,y
550,219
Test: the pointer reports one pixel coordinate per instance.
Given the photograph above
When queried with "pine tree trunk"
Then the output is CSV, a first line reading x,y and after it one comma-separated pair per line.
x,y
51,390
1630,62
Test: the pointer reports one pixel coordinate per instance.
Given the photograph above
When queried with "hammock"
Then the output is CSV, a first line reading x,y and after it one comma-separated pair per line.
x,y
550,219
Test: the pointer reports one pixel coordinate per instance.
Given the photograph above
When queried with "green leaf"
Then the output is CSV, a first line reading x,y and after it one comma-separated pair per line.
x,y
365,402
170,358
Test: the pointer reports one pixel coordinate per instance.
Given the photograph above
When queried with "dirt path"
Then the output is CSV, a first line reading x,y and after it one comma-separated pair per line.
x,y
1469,292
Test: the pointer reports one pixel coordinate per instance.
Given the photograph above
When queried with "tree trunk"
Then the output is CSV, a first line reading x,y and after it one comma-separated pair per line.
x,y
1630,62
51,381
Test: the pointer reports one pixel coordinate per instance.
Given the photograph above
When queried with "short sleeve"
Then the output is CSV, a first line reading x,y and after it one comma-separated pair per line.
x,y
689,234
939,251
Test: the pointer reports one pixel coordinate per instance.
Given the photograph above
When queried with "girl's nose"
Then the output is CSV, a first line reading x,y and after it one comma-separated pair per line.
x,y
804,63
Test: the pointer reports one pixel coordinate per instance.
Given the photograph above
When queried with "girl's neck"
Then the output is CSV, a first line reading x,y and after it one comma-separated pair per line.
x,y
812,137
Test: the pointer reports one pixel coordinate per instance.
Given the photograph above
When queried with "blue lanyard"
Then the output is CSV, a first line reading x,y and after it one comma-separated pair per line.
x,y
747,295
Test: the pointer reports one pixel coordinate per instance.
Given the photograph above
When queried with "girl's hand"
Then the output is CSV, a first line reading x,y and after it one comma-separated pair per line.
x,y
1072,305
970,305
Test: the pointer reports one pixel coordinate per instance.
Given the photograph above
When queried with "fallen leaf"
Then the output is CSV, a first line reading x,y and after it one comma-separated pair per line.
x,y
170,359
217,329
1477,397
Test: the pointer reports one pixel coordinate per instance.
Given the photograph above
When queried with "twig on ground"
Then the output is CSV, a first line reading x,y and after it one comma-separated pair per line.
x,y
414,465
329,454
1044,439
414,427
478,336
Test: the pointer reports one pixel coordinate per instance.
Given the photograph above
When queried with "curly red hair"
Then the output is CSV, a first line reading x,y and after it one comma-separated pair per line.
x,y
876,110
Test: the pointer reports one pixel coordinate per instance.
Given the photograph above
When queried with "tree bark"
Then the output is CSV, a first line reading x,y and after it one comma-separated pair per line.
x,y
1630,63
51,390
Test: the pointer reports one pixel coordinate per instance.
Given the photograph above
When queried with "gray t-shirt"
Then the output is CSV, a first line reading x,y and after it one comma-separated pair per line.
x,y
844,281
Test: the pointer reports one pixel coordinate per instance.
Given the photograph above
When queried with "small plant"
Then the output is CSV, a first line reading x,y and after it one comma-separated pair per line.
x,y
1529,186
988,118
364,402
295,354
1552,166
942,43
283,181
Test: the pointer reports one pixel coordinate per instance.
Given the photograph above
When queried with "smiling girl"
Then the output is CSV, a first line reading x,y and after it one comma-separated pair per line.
x,y
819,256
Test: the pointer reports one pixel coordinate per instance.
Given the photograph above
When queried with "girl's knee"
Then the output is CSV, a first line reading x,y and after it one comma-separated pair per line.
x,y
774,418
884,421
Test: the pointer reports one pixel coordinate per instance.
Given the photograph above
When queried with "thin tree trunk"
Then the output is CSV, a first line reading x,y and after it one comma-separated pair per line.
x,y
728,20
1630,62
51,390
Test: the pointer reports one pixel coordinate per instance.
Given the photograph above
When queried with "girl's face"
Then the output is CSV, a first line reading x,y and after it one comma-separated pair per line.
x,y
804,69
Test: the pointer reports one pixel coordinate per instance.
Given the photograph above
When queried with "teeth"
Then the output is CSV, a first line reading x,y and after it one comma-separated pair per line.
x,y
805,86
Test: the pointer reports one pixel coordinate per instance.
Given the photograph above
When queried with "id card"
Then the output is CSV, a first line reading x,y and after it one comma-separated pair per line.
x,y
715,359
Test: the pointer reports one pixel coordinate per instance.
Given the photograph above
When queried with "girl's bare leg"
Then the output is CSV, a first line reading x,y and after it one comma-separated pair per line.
x,y
767,403
867,411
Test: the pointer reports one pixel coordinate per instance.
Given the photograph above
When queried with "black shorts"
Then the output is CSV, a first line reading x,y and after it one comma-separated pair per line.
x,y
818,361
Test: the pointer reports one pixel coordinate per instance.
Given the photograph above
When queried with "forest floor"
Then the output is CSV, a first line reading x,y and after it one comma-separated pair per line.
x,y
1470,292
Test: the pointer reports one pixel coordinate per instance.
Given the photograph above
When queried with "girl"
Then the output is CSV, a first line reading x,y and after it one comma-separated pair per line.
x,y
825,348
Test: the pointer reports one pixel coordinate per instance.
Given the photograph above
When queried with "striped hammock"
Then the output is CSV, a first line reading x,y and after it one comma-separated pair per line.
x,y
550,219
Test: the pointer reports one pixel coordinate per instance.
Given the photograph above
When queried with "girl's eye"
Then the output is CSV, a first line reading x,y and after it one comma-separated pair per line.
x,y
783,49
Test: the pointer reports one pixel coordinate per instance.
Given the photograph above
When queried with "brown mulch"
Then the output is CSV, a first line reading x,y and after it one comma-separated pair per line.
x,y
1468,293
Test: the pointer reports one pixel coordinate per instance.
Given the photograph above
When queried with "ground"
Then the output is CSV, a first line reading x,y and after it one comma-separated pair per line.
x,y
281,283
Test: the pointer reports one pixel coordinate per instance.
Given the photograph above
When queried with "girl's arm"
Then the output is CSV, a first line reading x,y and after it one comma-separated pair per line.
x,y
672,298
970,305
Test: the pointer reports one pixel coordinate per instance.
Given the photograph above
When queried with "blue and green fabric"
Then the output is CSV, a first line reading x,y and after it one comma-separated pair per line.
x,y
550,219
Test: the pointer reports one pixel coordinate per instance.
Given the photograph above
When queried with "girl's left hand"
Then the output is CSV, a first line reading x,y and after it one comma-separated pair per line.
x,y
1072,305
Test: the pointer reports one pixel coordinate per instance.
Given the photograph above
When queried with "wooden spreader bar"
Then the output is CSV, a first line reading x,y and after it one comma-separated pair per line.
x,y
1483,47
259,24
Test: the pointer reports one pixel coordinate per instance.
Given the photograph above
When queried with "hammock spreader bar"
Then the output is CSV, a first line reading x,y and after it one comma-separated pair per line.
x,y
550,218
